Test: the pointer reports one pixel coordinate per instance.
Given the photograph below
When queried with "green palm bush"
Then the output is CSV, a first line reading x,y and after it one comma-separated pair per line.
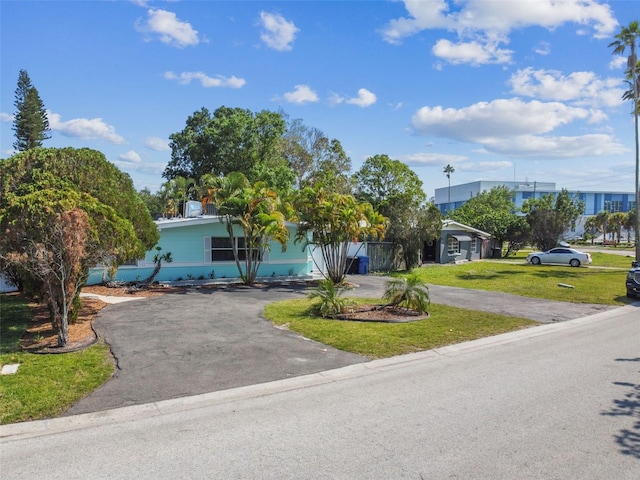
x,y
409,292
331,302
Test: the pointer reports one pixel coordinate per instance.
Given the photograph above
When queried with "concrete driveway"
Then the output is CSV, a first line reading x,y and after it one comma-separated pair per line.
x,y
205,340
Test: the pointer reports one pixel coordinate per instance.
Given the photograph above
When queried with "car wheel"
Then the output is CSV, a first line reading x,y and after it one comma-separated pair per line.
x,y
535,260
574,262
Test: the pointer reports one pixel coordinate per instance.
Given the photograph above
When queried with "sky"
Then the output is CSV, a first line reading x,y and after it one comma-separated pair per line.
x,y
502,90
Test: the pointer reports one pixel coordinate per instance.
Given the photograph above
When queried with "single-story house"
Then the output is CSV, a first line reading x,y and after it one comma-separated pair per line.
x,y
457,242
201,250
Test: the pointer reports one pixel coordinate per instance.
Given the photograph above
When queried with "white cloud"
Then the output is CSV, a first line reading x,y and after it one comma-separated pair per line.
x,y
474,52
277,33
301,94
481,25
579,88
84,128
169,28
156,143
6,117
430,159
497,119
517,128
131,156
206,81
365,98
618,62
558,146
542,48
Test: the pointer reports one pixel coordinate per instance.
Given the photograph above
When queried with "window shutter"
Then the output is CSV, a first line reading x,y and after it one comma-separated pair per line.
x,y
207,250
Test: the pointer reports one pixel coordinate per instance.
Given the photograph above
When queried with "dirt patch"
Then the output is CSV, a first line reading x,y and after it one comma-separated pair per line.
x,y
377,313
40,337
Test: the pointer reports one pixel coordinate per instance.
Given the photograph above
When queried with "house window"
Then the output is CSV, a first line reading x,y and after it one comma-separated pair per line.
x,y
222,250
474,245
453,245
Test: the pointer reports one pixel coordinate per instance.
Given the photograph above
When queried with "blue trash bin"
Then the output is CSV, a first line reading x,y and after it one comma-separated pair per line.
x,y
363,265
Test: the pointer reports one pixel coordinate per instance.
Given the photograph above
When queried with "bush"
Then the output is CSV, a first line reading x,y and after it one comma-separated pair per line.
x,y
331,302
409,292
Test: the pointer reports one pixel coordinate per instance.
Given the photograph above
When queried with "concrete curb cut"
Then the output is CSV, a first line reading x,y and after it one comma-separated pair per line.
x,y
37,428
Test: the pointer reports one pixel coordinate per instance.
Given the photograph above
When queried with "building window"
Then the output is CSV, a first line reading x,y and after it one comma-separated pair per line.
x,y
453,245
474,245
613,206
222,250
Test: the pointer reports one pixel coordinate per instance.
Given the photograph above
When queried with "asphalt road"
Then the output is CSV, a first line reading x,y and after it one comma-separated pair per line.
x,y
205,340
555,402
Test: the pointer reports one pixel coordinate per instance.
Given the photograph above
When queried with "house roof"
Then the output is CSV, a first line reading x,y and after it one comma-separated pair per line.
x,y
165,223
457,226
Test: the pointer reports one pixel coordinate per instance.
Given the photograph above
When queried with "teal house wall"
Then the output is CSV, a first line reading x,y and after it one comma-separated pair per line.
x,y
189,242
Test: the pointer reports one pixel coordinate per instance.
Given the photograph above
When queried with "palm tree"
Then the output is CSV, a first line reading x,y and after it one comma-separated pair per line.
x,y
591,228
448,170
630,224
602,220
628,37
256,211
616,222
181,188
410,292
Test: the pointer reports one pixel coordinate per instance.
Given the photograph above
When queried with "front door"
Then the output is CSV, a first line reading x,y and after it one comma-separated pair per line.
x,y
429,252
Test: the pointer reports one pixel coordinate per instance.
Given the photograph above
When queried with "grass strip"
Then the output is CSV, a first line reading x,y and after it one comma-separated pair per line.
x,y
589,285
45,385
445,326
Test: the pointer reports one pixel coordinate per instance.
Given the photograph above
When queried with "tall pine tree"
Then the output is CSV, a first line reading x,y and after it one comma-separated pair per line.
x,y
30,123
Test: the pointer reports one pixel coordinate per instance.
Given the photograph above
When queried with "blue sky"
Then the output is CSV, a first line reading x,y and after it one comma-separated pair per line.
x,y
523,90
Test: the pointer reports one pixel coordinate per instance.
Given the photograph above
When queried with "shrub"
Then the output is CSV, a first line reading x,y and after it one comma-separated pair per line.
x,y
409,292
331,302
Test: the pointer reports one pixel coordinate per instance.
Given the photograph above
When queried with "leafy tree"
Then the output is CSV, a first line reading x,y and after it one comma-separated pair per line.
x,y
83,170
256,211
395,191
409,228
493,211
153,202
550,216
331,221
314,159
381,181
230,140
51,236
42,192
30,122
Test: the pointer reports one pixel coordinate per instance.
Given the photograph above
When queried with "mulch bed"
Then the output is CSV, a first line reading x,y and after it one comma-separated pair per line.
x,y
378,313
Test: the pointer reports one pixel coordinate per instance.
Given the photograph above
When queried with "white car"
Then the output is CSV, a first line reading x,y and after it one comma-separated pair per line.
x,y
560,256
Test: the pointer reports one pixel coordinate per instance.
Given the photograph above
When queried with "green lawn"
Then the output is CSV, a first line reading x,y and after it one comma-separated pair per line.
x,y
445,326
600,259
590,285
45,385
